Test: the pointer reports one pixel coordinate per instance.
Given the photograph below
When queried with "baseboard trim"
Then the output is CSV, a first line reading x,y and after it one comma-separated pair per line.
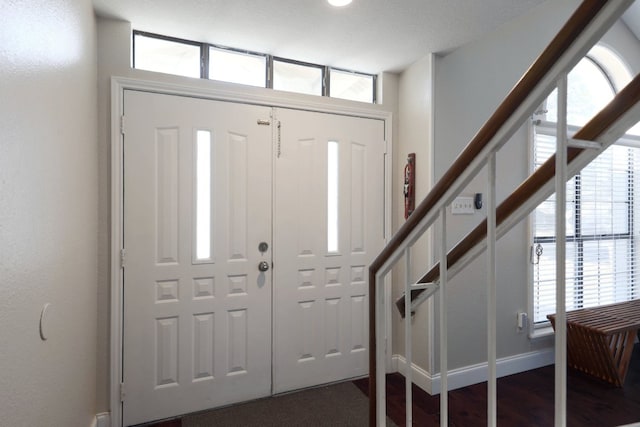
x,y
102,420
420,377
474,374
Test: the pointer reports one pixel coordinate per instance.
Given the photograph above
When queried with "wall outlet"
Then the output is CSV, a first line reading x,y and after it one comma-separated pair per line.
x,y
462,206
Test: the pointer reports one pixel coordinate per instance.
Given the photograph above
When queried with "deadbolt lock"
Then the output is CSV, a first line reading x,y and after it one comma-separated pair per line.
x,y
263,266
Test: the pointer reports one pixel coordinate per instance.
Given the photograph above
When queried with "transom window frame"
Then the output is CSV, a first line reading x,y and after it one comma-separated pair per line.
x,y
269,78
617,74
168,39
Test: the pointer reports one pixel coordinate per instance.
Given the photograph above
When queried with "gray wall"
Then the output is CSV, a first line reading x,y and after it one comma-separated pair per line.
x,y
415,97
48,212
470,83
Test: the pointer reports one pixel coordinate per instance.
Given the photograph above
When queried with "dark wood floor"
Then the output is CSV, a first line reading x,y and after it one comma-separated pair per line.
x,y
524,400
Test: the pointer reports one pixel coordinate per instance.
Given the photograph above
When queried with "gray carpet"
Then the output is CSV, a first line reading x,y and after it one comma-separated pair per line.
x,y
337,405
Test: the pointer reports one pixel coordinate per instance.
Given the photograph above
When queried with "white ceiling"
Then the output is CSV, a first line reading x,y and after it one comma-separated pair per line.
x,y
369,35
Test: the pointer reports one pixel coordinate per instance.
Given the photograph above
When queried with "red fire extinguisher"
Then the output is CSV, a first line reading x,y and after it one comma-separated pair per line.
x,y
409,185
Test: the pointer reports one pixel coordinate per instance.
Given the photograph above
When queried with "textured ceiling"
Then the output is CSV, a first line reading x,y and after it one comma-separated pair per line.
x,y
368,35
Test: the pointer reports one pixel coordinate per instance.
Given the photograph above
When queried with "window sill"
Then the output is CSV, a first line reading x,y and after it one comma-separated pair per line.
x,y
542,332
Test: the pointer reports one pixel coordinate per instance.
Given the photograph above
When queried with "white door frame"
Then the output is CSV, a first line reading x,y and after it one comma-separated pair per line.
x,y
265,97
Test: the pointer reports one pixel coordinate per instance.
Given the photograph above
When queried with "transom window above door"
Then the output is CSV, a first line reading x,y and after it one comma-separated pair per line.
x,y
171,55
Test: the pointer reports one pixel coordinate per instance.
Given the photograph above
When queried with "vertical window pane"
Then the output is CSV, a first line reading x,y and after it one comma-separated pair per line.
x,y
297,78
353,86
332,197
237,67
166,56
203,195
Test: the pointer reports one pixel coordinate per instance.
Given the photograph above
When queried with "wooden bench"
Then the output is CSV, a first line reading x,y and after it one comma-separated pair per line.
x,y
600,339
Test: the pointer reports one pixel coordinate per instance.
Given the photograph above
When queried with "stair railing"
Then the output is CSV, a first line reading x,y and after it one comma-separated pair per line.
x,y
585,27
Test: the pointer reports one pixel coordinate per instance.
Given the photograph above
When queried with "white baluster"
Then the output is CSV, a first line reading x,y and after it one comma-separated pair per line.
x,y
407,336
561,205
381,392
491,294
444,383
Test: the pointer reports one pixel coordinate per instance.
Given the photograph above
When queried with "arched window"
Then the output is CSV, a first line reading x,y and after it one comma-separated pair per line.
x,y
603,201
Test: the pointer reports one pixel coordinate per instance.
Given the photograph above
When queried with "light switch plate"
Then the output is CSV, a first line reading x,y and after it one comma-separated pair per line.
x,y
462,206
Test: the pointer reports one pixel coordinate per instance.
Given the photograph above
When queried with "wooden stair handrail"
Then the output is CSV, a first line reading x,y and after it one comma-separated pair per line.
x,y
622,102
577,23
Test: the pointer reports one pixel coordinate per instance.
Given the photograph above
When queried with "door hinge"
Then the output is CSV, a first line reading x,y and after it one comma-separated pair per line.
x,y
122,125
122,255
122,393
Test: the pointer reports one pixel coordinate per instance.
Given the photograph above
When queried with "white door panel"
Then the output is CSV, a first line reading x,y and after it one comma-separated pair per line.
x,y
203,327
328,227
197,312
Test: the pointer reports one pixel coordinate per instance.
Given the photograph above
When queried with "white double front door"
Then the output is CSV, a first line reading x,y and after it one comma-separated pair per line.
x,y
247,234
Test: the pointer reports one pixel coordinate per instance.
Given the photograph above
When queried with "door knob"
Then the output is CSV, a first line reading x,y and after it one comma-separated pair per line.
x,y
263,266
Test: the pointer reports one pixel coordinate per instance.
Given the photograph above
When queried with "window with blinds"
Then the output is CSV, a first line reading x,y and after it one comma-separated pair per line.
x,y
602,211
602,263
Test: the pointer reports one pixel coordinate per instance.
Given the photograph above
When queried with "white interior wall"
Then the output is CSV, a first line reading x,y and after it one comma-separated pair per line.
x,y
623,42
114,53
48,212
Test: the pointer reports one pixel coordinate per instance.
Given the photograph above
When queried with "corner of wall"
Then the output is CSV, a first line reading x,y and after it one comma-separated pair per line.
x,y
474,374
48,211
113,59
473,69
415,135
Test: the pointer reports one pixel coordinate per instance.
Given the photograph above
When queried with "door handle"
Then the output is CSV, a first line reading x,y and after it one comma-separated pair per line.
x,y
263,266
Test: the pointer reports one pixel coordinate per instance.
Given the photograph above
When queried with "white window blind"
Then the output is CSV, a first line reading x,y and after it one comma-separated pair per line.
x,y
602,217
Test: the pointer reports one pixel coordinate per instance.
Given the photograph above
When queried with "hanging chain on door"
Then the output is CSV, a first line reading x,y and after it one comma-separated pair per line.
x,y
279,141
